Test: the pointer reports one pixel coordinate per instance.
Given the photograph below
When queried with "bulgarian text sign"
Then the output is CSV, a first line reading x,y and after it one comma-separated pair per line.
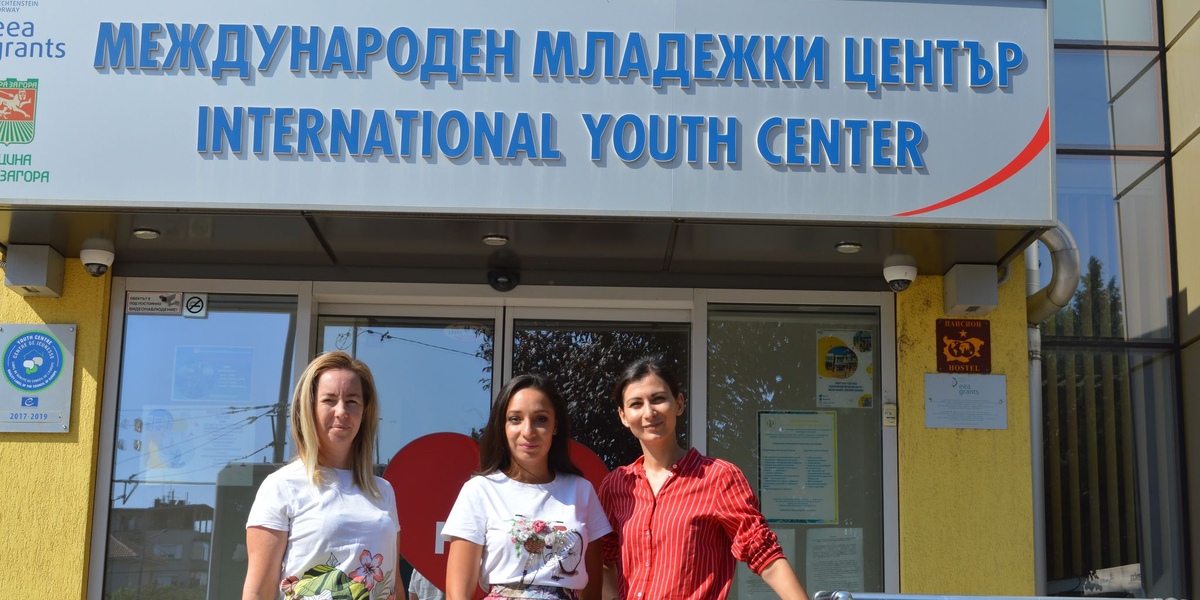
x,y
828,110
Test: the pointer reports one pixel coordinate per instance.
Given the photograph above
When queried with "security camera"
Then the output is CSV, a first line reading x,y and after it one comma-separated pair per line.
x,y
97,256
503,280
899,270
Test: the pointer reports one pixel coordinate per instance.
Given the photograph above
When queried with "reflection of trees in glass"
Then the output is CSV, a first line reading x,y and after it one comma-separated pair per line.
x,y
740,384
1090,509
1095,311
584,364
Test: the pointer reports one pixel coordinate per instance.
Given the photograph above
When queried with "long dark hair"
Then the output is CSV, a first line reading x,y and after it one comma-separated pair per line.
x,y
646,365
494,454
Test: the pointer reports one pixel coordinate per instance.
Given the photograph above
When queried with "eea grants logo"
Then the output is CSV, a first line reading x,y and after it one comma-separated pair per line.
x,y
18,108
33,361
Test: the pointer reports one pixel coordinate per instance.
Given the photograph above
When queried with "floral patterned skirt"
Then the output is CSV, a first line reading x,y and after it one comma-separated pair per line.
x,y
531,592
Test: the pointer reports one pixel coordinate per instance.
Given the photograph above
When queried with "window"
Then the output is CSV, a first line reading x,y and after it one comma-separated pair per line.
x,y
201,419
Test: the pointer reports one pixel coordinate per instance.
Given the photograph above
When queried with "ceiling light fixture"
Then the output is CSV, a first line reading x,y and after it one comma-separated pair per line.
x,y
495,239
145,233
848,247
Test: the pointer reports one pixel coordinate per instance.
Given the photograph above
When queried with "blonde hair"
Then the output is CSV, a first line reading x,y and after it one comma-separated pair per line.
x,y
304,421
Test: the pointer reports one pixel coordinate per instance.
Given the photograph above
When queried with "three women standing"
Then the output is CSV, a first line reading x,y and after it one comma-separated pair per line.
x,y
681,518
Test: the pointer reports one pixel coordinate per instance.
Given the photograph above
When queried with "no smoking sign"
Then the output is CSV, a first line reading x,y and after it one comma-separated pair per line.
x,y
195,306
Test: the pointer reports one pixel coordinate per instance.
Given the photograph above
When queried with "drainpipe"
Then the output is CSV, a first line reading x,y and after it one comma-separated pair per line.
x,y
1040,305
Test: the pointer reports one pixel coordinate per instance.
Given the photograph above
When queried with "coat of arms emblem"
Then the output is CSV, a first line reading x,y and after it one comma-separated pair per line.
x,y
18,109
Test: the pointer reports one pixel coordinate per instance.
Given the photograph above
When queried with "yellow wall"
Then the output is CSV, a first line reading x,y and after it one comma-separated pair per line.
x,y
1183,62
966,496
49,479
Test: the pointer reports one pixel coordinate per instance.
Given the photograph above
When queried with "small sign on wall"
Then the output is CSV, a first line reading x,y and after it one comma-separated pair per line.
x,y
966,401
964,346
38,365
153,303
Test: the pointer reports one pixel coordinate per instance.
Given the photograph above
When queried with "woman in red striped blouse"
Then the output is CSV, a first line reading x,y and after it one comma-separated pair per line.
x,y
680,518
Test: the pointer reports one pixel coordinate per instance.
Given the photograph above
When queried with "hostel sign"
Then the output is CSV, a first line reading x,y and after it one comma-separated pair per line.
x,y
964,346
875,111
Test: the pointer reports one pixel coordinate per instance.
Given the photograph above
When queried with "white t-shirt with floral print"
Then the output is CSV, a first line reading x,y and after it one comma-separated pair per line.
x,y
531,534
339,538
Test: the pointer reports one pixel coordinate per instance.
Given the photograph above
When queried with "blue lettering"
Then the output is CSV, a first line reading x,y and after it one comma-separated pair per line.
x,y
866,62
764,140
554,51
271,43
606,40
311,123
739,56
345,131
302,44
338,54
522,140
729,139
667,154
403,34
489,137
379,135
370,42
634,57
637,143
112,42
596,129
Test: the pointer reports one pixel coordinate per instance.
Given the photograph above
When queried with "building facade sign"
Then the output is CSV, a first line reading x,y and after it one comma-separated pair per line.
x,y
875,111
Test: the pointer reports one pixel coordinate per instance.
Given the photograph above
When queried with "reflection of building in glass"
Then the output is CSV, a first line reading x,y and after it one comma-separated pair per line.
x,y
167,545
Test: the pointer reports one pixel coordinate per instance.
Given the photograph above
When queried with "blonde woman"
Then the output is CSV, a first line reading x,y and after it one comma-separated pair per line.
x,y
324,522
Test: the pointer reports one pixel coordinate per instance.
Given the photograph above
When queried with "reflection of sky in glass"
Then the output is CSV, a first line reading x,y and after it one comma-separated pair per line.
x,y
1081,109
428,374
1119,233
195,395
1107,99
1114,21
1087,207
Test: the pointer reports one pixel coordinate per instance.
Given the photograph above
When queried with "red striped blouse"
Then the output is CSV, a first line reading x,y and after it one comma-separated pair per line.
x,y
682,543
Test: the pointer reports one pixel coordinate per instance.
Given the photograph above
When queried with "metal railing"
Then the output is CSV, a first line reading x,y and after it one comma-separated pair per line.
x,y
844,595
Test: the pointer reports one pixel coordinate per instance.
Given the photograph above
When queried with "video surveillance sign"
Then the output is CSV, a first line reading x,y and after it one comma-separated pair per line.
x,y
38,364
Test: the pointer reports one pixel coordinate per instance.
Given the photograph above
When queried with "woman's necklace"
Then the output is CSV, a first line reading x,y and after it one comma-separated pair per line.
x,y
528,476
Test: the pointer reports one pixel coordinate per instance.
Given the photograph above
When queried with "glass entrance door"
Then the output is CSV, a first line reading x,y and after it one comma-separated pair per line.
x,y
794,400
792,395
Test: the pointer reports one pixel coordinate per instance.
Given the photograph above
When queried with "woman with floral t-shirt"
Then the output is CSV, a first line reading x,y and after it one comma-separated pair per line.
x,y
324,525
523,526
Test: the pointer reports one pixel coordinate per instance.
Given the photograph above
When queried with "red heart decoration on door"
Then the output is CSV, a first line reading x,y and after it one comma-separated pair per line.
x,y
427,474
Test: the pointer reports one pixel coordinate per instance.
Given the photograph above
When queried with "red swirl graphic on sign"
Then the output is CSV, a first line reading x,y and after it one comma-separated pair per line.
x,y
1040,140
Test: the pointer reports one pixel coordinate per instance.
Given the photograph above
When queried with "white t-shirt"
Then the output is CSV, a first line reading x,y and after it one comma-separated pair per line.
x,y
531,534
339,538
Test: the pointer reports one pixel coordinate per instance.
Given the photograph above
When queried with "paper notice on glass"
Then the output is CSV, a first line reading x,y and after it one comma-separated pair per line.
x,y
751,586
188,444
845,368
212,373
834,560
797,466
